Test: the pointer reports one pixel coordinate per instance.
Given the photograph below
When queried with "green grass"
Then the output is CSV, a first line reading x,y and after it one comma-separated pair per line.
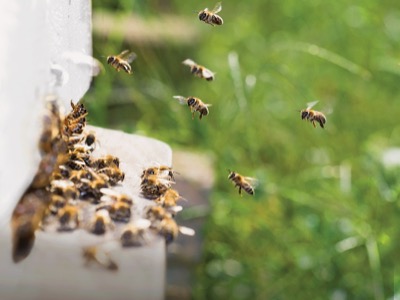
x,y
303,235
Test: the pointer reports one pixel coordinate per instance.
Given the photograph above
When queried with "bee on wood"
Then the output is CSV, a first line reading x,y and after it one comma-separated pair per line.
x,y
69,218
168,228
199,70
133,234
113,173
313,115
118,205
161,171
152,186
104,162
99,256
122,61
245,183
195,104
169,198
100,222
65,188
211,17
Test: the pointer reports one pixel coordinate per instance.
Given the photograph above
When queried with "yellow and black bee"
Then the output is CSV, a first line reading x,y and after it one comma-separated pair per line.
x,y
211,17
245,183
199,70
195,104
122,61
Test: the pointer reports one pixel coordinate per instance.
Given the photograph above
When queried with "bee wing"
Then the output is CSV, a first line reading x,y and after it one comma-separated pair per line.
x,y
186,230
253,181
181,99
189,62
207,73
130,57
109,192
217,8
142,223
311,104
176,209
123,53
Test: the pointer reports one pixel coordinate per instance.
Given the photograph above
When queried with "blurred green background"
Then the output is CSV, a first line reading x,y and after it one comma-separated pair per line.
x,y
325,220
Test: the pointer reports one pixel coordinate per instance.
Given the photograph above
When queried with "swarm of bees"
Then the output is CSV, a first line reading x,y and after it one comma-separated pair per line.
x,y
73,189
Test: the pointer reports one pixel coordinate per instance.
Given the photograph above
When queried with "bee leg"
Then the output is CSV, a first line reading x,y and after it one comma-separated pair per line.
x,y
321,124
313,122
193,115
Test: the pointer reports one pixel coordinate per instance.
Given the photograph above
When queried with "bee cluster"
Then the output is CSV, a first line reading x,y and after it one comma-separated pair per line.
x,y
156,184
75,189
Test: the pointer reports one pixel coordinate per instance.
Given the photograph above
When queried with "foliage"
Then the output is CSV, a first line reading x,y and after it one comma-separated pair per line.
x,y
311,231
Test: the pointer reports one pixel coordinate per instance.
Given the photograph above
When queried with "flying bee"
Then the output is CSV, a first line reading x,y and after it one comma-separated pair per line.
x,y
133,234
153,186
122,61
199,70
195,104
69,217
245,183
211,17
99,256
170,230
100,222
313,115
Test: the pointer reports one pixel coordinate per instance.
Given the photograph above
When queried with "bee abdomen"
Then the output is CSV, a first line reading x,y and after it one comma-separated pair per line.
x,y
99,227
217,20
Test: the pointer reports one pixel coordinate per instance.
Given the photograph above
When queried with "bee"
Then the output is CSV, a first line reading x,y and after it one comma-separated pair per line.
x,y
313,115
114,174
122,61
170,230
99,256
156,213
153,186
69,217
211,17
65,188
245,183
162,171
195,104
26,218
169,198
120,208
133,234
104,162
90,189
100,222
57,202
199,70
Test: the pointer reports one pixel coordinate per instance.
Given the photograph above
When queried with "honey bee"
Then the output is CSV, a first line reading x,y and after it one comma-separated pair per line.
x,y
120,206
75,121
104,162
162,171
133,234
122,61
170,230
156,213
245,183
65,188
100,222
153,186
114,174
195,104
69,217
199,70
169,198
26,218
57,202
211,17
313,115
90,189
99,256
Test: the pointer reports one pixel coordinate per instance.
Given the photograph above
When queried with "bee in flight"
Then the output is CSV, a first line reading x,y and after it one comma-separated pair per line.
x,y
245,183
211,17
313,115
199,70
122,61
195,105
